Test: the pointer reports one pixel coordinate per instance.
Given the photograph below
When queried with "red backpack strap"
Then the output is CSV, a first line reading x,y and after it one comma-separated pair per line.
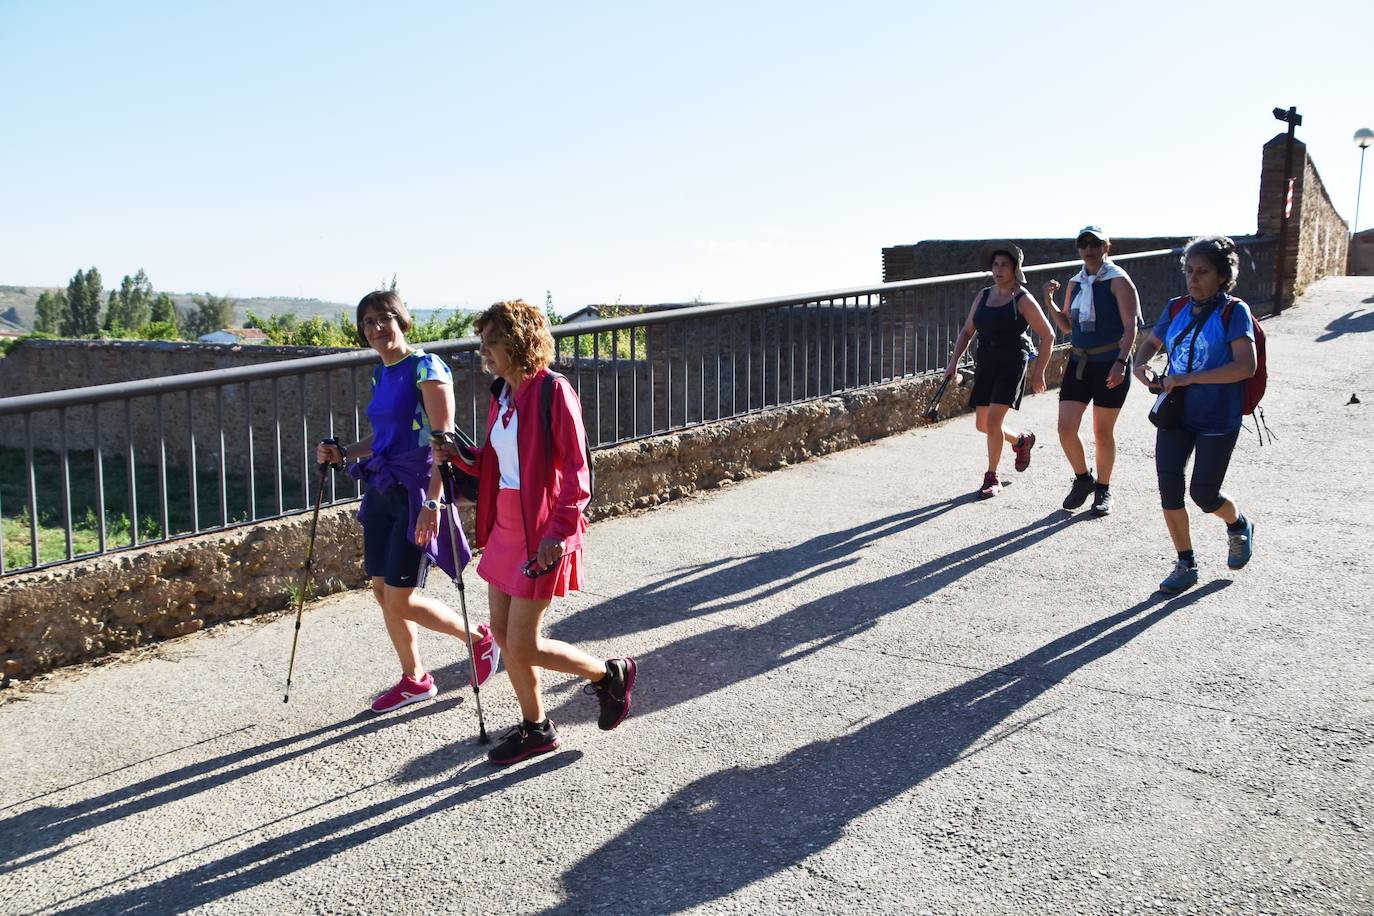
x,y
1178,305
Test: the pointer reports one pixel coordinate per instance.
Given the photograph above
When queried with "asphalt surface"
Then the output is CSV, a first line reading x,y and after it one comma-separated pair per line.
x,y
860,690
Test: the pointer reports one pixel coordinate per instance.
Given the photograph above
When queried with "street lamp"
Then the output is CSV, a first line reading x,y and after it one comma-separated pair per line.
x,y
1363,138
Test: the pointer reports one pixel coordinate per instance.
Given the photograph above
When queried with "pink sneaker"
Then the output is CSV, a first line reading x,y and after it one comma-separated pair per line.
x,y
405,692
487,654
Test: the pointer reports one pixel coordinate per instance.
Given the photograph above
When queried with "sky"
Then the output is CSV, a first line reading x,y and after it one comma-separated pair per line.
x,y
638,152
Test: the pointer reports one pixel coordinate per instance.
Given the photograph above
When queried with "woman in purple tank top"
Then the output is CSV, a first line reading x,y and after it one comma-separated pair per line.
x,y
412,394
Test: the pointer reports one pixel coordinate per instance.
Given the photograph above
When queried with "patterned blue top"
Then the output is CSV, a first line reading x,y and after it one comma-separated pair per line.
x,y
1207,409
397,412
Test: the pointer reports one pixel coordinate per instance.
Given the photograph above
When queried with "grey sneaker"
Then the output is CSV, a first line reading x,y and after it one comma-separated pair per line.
x,y
1079,491
1102,502
1240,545
1180,580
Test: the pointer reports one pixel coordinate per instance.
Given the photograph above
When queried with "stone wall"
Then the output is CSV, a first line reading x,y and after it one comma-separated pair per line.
x,y
1317,235
941,257
1361,262
89,609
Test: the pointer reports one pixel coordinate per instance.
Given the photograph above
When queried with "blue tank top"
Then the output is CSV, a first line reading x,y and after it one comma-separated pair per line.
x,y
1109,328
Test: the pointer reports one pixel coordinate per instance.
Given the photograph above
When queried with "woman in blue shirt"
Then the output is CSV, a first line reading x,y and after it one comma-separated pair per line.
x,y
412,394
1209,336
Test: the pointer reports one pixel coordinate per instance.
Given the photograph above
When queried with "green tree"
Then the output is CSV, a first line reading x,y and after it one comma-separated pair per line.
x,y
130,308
549,313
50,312
163,311
212,313
83,304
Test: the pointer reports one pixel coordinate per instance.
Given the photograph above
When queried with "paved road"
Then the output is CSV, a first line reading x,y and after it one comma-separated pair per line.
x,y
860,690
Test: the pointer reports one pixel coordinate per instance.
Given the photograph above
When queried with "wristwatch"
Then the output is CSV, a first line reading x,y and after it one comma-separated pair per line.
x,y
432,505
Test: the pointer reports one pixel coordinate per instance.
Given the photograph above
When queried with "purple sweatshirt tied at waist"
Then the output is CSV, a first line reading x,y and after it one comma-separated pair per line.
x,y
411,469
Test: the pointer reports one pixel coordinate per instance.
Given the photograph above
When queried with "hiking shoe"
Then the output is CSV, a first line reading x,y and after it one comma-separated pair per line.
x,y
486,653
1102,502
1180,580
1079,491
992,485
520,742
1239,545
406,691
613,692
1022,448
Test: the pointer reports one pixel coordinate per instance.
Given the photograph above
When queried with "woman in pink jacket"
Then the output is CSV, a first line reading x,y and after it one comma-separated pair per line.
x,y
533,483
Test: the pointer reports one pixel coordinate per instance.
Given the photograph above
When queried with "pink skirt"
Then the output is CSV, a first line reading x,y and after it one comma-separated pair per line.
x,y
505,555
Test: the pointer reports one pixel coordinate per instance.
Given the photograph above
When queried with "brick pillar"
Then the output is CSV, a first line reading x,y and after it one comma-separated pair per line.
x,y
1273,194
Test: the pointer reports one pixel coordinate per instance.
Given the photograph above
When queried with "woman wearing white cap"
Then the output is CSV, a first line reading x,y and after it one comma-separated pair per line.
x,y
1000,316
1101,312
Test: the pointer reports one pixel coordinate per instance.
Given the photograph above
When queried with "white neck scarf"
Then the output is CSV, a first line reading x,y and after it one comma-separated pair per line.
x,y
1083,308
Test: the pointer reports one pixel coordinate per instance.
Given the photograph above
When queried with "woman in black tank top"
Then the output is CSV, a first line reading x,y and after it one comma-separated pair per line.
x,y
1001,315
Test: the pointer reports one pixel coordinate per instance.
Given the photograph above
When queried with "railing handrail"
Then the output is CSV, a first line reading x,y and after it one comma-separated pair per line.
x,y
97,394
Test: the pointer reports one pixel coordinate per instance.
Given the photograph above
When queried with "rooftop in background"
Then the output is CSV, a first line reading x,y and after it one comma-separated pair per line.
x,y
234,336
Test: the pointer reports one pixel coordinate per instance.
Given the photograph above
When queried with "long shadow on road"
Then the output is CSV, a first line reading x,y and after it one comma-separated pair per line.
x,y
39,833
290,852
721,833
729,582
704,662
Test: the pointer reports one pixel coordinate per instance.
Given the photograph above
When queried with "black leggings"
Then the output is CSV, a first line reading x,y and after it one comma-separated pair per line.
x,y
1213,455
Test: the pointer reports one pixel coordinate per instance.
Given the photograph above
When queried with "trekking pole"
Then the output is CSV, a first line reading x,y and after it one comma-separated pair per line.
x,y
932,413
447,472
305,571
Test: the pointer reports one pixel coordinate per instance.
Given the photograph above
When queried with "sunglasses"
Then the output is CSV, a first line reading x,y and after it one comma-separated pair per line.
x,y
532,570
1089,243
379,322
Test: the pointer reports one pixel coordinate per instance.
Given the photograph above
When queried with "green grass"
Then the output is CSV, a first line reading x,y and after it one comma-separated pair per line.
x,y
52,543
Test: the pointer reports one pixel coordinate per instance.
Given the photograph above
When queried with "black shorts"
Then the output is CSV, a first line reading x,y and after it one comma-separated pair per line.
x,y
387,548
999,381
1092,387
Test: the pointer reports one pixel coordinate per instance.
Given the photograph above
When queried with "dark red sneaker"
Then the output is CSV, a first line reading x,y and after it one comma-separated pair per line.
x,y
613,692
1022,448
523,741
992,485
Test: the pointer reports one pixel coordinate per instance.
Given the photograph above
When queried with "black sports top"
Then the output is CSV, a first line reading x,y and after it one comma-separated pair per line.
x,y
1001,328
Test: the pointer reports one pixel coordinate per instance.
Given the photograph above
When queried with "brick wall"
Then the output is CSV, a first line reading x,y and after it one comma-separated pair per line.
x,y
1317,235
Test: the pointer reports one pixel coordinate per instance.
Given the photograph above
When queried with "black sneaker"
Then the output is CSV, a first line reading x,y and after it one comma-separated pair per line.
x,y
1102,502
613,692
1079,492
523,741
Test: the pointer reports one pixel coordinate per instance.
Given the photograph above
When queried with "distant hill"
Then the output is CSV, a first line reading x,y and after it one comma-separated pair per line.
x,y
17,305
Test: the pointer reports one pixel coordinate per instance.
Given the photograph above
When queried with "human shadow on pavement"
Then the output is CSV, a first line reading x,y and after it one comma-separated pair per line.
x,y
305,846
39,833
721,656
740,825
1355,321
730,582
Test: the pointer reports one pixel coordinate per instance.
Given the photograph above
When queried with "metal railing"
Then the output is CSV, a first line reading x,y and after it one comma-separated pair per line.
x,y
114,467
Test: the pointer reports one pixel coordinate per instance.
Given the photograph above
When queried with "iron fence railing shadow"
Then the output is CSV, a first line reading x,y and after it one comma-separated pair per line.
x,y
113,467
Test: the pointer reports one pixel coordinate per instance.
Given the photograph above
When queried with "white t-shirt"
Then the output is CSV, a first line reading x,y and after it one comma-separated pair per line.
x,y
504,440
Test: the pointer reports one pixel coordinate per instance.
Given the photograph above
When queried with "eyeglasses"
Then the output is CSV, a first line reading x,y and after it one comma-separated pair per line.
x,y
1089,243
379,322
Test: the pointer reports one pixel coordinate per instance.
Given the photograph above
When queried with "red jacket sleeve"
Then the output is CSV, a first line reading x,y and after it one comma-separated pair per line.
x,y
569,453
